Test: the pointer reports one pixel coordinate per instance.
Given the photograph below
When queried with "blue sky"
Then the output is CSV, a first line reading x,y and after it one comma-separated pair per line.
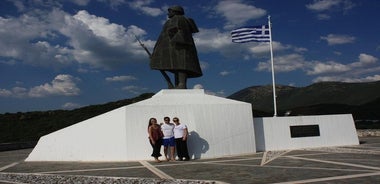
x,y
72,53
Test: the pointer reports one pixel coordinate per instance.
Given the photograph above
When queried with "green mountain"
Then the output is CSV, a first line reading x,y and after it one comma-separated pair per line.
x,y
360,99
30,126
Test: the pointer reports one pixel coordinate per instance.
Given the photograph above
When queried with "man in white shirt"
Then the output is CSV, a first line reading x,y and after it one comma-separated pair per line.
x,y
168,139
180,135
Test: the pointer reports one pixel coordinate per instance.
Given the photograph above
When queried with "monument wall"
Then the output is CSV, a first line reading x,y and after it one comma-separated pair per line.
x,y
218,127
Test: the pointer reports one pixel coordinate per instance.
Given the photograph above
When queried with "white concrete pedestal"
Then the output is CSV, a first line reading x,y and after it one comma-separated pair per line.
x,y
218,127
273,133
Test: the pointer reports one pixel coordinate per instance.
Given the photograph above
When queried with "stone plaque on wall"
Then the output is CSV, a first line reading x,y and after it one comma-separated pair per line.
x,y
304,131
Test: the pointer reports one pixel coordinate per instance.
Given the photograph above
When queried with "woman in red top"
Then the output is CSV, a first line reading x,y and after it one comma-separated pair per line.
x,y
155,138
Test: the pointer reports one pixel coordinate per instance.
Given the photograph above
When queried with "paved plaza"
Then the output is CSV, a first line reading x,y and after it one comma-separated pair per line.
x,y
350,164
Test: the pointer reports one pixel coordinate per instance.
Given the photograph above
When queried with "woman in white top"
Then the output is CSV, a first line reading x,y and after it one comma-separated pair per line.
x,y
168,139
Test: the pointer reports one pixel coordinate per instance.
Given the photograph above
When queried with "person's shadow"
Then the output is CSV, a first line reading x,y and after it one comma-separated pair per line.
x,y
197,145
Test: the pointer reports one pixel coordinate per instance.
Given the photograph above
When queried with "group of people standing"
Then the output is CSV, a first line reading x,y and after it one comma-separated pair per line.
x,y
173,136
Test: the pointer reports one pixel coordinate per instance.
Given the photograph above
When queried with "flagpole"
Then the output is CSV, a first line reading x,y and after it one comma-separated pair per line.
x,y
271,58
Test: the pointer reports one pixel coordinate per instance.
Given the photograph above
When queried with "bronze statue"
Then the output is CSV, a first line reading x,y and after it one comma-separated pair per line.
x,y
175,49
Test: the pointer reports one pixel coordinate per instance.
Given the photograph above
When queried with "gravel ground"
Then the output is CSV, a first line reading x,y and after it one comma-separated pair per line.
x,y
368,133
21,178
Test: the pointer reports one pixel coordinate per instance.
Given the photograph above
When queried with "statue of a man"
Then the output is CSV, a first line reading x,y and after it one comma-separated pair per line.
x,y
175,49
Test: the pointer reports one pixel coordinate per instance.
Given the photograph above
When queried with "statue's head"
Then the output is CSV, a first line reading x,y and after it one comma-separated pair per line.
x,y
175,10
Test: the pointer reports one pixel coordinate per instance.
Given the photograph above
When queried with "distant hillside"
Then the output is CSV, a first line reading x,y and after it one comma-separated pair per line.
x,y
360,99
30,126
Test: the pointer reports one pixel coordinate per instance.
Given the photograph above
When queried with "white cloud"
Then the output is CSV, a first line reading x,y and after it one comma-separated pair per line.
x,y
19,5
142,5
323,16
204,65
328,5
264,48
8,62
363,70
364,65
285,63
70,105
80,2
220,93
86,39
238,13
364,60
135,31
347,79
224,73
112,33
15,41
19,92
323,5
102,44
328,67
261,48
32,5
373,78
5,93
333,39
114,3
134,89
123,78
212,40
198,86
300,49
62,85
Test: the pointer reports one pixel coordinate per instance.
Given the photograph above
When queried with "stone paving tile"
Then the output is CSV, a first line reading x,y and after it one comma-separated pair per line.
x,y
7,157
304,152
332,156
253,162
255,155
301,164
135,172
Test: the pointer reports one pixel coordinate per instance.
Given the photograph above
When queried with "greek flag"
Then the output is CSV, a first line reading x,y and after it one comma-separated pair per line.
x,y
251,34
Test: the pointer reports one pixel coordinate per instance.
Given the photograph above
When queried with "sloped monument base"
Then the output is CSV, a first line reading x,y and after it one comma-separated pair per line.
x,y
299,132
217,126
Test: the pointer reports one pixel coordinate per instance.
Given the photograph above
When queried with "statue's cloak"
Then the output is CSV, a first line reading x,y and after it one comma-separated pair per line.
x,y
175,49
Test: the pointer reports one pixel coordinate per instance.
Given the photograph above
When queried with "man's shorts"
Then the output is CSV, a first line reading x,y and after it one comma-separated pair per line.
x,y
168,142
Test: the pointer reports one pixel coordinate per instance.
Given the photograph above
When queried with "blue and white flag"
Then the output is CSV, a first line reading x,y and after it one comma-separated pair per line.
x,y
251,34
